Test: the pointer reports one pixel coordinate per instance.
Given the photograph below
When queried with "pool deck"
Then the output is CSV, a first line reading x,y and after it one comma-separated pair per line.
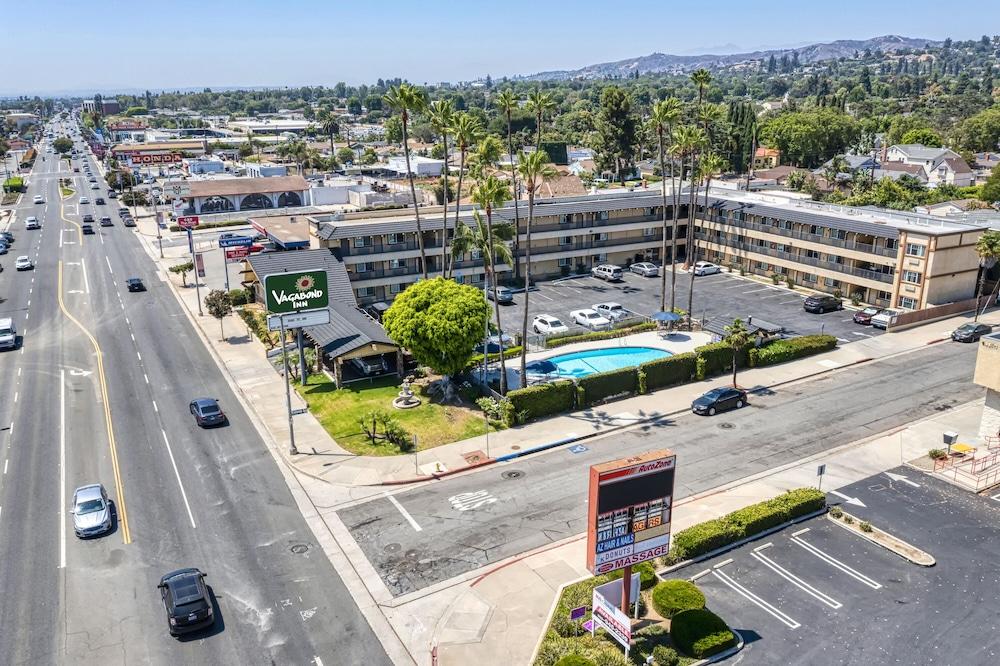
x,y
677,343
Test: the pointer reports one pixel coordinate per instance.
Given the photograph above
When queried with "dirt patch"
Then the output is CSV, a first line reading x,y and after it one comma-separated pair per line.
x,y
882,538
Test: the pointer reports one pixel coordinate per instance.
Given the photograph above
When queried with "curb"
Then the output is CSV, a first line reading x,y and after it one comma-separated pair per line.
x,y
927,563
725,654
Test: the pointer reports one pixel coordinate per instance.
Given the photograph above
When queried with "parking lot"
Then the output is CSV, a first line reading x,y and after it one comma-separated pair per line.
x,y
816,593
723,295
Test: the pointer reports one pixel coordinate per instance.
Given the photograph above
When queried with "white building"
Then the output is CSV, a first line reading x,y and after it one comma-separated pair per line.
x,y
263,169
22,120
200,165
421,166
940,165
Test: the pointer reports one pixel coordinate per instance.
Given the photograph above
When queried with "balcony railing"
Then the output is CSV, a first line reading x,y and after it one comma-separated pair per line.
x,y
381,248
815,238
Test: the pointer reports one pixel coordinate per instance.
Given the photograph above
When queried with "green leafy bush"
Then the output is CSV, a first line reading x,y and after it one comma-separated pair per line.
x,y
13,184
575,660
665,656
703,538
239,296
673,596
646,572
544,399
717,358
669,371
570,338
476,359
780,351
836,511
498,411
866,526
937,454
700,633
603,385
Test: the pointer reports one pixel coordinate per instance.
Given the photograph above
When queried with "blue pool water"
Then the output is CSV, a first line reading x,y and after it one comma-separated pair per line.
x,y
581,364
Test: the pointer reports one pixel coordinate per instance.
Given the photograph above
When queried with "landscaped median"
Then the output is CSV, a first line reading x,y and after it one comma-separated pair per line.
x,y
674,626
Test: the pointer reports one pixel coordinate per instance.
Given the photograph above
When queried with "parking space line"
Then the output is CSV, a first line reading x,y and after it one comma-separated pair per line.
x,y
753,598
863,335
754,291
700,574
834,562
406,514
793,579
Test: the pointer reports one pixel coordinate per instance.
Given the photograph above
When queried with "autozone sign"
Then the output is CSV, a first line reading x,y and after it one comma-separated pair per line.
x,y
155,159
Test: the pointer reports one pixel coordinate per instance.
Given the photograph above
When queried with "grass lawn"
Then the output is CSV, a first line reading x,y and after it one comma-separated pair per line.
x,y
340,409
66,192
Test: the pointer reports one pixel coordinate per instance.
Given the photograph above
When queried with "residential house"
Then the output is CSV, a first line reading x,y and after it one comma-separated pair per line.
x,y
766,158
940,165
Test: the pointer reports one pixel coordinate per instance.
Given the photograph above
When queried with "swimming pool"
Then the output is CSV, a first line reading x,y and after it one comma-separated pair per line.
x,y
581,364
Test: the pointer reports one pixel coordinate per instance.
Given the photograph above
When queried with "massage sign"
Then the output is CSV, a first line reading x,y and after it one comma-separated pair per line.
x,y
296,292
629,510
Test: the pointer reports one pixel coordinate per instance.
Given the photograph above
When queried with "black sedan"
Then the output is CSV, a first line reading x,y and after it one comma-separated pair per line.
x,y
135,284
186,600
87,229
970,332
207,412
99,201
719,400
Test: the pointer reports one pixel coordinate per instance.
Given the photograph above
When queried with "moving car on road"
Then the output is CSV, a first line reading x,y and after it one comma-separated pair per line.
x,y
135,284
503,295
820,303
128,221
106,221
719,399
38,198
95,186
23,263
99,201
971,332
88,218
864,317
207,412
611,311
84,200
186,601
91,511
706,268
590,319
87,229
548,325
32,223
645,269
8,333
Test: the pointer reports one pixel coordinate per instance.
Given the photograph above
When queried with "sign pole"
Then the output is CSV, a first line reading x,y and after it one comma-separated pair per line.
x,y
626,589
225,266
194,264
288,391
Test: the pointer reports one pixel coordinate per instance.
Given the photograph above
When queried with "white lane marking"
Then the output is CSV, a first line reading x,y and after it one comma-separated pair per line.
x,y
753,598
15,397
795,580
62,468
178,475
101,236
83,267
155,408
406,514
144,376
19,372
863,335
132,335
5,465
903,478
754,291
109,264
127,322
847,498
834,562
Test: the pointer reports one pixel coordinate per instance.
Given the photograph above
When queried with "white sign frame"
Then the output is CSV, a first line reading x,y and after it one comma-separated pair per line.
x,y
299,319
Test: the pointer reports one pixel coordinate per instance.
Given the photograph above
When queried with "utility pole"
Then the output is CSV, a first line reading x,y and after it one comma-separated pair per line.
x,y
288,391
194,265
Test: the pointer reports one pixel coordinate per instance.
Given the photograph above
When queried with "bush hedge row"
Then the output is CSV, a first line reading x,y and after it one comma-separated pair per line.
x,y
700,633
570,338
780,351
670,597
670,371
476,359
544,399
716,358
593,389
746,522
212,225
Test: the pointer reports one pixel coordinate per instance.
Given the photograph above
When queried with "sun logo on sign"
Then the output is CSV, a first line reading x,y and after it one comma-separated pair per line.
x,y
305,283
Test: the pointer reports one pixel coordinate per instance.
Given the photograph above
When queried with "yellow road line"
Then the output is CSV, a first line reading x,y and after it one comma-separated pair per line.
x,y
119,486
79,229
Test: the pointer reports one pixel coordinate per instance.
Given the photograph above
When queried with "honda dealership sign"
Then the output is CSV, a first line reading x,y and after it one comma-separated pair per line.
x,y
628,518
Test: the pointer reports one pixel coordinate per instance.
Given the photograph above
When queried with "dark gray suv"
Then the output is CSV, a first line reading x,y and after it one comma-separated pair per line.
x,y
822,303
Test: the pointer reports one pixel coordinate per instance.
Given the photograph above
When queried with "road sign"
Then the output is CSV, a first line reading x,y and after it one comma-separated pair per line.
x,y
821,470
298,319
236,241
188,221
177,189
289,292
199,264
296,412
237,253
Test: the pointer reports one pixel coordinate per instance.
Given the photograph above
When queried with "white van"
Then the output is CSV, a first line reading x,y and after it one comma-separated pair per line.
x,y
608,272
32,223
884,319
8,334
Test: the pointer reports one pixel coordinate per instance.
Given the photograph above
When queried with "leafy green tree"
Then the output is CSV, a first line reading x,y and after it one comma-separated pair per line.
x,y
490,193
924,136
406,99
809,138
990,191
345,155
467,130
616,132
62,145
393,129
980,132
220,305
988,249
182,270
899,125
737,337
369,156
440,322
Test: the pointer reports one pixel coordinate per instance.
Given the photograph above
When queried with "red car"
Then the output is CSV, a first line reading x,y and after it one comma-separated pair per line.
x,y
864,317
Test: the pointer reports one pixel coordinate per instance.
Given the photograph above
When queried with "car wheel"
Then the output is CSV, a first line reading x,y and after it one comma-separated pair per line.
x,y
739,404
711,411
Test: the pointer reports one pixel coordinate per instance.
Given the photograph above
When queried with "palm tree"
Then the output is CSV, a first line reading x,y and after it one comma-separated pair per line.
x,y
406,99
701,78
695,143
489,193
507,101
988,249
539,103
534,170
314,160
442,117
837,165
666,113
685,138
737,337
710,165
330,128
467,131
484,161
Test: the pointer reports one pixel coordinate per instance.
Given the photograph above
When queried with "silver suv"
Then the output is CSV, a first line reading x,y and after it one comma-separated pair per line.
x,y
608,272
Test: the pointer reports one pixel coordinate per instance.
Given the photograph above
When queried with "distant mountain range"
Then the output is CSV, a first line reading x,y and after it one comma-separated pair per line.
x,y
680,64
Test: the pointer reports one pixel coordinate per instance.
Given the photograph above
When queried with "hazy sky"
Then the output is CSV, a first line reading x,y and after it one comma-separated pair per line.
x,y
54,45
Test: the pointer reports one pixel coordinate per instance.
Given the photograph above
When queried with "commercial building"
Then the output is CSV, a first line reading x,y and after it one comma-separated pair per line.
x,y
422,167
263,169
21,120
104,107
236,194
159,152
270,125
202,165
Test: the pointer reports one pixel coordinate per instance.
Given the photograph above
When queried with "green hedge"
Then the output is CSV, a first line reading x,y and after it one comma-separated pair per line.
x,y
780,351
212,225
746,522
717,358
700,633
14,184
544,399
575,660
239,296
646,572
570,338
669,371
595,388
476,359
673,596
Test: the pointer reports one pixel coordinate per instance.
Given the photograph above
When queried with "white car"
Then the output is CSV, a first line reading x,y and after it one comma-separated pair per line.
x,y
38,198
32,223
95,186
590,319
23,263
645,269
548,325
84,200
706,268
611,311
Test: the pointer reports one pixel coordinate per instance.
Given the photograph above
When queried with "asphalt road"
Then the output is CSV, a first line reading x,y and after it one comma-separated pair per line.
x,y
484,517
182,496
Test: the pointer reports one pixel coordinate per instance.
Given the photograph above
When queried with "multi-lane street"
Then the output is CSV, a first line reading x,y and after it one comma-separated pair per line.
x,y
98,392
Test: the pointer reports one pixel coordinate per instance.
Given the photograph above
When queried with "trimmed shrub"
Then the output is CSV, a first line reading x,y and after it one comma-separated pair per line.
x,y
802,501
717,358
759,517
575,660
673,596
780,351
866,526
700,633
570,338
603,385
937,454
543,399
239,296
836,512
646,572
703,538
476,359
665,656
669,371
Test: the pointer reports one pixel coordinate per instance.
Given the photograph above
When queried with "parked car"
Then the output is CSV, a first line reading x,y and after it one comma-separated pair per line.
x,y
548,325
611,311
6,238
884,319
32,223
135,284
590,319
186,601
645,269
820,303
706,268
371,365
128,222
719,399
91,511
608,272
207,412
864,317
503,295
8,333
229,234
4,248
23,263
123,212
971,332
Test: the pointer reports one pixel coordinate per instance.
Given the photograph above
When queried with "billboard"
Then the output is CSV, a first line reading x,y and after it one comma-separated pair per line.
x,y
628,519
235,254
167,158
291,292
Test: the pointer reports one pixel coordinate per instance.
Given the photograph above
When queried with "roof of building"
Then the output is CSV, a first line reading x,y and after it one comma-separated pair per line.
x,y
960,204
231,186
917,151
767,152
158,145
853,161
957,164
348,330
901,167
338,282
289,231
777,173
753,325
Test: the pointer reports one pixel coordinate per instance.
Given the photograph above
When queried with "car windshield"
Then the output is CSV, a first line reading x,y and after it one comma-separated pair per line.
x,y
592,315
209,409
554,322
966,328
89,506
716,393
6,331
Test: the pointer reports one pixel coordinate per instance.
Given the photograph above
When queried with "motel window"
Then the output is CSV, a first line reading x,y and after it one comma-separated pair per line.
x,y
809,277
395,288
565,240
397,263
363,267
891,243
365,292
601,237
907,302
915,250
565,261
839,234
475,253
883,295
566,219
362,241
602,215
911,276
600,258
830,282
648,231
760,265
394,239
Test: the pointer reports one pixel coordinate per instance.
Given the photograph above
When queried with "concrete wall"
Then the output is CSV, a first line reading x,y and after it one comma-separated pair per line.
x,y
989,426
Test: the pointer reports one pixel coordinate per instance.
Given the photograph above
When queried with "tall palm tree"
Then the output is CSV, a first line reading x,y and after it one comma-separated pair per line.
x,y
685,137
695,142
988,249
506,101
737,337
330,128
467,130
484,161
701,78
666,113
407,99
442,117
534,170
710,165
540,103
489,193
